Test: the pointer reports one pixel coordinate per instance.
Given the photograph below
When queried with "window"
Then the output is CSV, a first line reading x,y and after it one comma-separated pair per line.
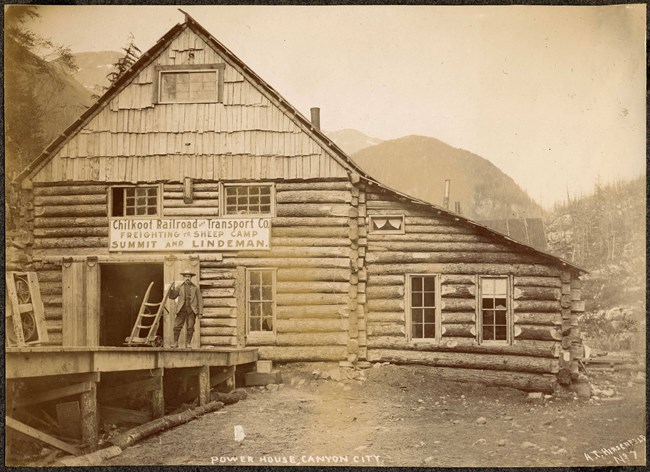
x,y
387,224
494,308
260,300
248,200
192,83
422,305
134,201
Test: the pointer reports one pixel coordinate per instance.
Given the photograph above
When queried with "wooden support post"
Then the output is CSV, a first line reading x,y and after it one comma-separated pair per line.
x,y
223,378
157,396
89,416
204,385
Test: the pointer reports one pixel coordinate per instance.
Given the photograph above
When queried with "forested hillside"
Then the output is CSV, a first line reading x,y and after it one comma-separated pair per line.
x,y
604,232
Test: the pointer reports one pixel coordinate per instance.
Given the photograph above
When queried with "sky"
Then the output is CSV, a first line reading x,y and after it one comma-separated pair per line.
x,y
552,95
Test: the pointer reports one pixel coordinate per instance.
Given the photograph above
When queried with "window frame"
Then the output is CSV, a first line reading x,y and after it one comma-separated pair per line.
x,y
159,206
437,310
257,336
161,69
509,308
223,197
389,231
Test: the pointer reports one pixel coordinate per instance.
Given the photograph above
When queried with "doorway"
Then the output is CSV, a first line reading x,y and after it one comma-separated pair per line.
x,y
123,286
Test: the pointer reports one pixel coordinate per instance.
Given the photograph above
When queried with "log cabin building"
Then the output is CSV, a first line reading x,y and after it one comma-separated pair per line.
x,y
192,161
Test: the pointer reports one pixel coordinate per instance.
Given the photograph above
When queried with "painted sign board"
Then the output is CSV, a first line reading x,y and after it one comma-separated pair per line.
x,y
190,234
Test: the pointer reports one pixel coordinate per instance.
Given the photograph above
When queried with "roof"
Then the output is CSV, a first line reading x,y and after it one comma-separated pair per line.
x,y
526,230
335,151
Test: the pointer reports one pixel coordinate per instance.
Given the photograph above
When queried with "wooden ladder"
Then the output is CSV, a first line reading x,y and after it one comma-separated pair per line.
x,y
24,314
148,311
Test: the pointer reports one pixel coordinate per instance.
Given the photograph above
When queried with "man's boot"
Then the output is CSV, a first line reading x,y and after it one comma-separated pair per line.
x,y
188,339
176,336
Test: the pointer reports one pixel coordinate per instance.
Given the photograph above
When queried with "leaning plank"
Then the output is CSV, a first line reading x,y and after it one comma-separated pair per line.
x,y
36,434
161,424
54,394
521,381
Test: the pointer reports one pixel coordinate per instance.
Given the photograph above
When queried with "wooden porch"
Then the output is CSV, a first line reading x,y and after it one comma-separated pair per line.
x,y
71,389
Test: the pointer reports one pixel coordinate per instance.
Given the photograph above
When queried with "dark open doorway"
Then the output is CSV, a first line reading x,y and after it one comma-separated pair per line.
x,y
123,288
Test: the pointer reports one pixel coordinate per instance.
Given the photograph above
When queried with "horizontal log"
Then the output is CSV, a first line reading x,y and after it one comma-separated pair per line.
x,y
412,228
298,299
536,306
548,319
218,331
330,185
219,312
197,194
217,322
70,242
191,211
458,268
379,280
50,288
218,340
541,333
459,330
196,203
458,291
311,325
310,242
303,353
220,302
58,200
341,222
71,232
537,293
519,348
72,210
486,363
50,275
304,275
449,257
199,187
335,311
293,262
217,283
429,237
458,304
312,287
420,247
554,282
297,252
57,222
311,210
69,189
311,339
341,231
52,300
385,292
385,305
314,196
455,279
386,317
458,318
215,274
218,292
386,329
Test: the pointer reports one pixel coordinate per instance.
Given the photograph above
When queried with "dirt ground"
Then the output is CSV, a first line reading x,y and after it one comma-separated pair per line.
x,y
404,416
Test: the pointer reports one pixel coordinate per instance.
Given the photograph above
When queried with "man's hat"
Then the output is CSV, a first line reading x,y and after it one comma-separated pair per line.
x,y
187,272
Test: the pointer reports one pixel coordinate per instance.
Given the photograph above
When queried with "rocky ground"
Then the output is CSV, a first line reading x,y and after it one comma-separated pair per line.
x,y
403,416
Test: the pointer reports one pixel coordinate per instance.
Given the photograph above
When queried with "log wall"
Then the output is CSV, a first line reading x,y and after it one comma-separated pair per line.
x,y
245,136
433,243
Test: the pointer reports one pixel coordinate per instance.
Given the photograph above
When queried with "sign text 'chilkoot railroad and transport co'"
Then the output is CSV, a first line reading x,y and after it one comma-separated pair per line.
x,y
191,234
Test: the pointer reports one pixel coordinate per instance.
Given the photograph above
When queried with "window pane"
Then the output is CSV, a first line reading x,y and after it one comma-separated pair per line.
x,y
255,292
430,284
267,323
487,286
500,286
267,292
488,333
416,299
255,310
429,299
416,315
429,315
255,324
417,330
429,330
488,303
500,317
488,317
416,283
500,333
500,303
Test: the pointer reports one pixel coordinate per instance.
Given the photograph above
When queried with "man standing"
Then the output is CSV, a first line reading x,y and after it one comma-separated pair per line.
x,y
189,306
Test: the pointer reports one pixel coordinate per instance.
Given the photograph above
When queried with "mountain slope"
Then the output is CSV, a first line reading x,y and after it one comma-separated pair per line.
x,y
93,68
41,100
351,140
419,166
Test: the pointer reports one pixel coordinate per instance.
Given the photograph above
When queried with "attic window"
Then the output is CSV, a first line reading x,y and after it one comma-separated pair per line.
x,y
387,224
134,201
189,83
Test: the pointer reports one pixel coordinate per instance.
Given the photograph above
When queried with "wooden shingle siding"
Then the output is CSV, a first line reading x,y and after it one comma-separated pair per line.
x,y
244,136
436,244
